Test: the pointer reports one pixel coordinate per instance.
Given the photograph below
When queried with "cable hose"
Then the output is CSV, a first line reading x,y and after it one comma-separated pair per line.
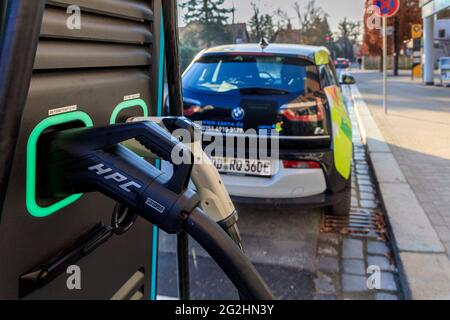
x,y
234,234
228,256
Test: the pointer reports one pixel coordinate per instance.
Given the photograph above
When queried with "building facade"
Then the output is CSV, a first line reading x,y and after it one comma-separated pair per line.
x,y
436,15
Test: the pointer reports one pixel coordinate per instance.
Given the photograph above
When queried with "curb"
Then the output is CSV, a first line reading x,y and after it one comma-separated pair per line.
x,y
424,267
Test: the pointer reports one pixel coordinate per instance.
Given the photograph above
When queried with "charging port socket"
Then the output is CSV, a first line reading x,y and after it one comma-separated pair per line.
x,y
128,109
35,206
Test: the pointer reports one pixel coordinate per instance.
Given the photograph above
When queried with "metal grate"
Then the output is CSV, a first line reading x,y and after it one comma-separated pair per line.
x,y
362,223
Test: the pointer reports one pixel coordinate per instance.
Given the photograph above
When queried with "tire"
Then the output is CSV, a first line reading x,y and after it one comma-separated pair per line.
x,y
342,206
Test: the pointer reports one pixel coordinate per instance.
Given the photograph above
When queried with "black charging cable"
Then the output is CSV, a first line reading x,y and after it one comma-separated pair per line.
x,y
86,160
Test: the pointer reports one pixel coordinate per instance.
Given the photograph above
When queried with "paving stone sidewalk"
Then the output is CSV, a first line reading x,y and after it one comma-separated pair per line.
x,y
348,251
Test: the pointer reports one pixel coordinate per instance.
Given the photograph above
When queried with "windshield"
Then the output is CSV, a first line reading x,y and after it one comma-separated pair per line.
x,y
243,74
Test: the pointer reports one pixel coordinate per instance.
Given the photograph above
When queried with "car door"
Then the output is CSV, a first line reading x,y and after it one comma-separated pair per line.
x,y
340,122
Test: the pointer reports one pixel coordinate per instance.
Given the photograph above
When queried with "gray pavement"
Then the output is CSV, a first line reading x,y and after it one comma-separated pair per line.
x,y
417,130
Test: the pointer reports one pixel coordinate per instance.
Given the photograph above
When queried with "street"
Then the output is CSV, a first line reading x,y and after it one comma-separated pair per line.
x,y
285,258
301,253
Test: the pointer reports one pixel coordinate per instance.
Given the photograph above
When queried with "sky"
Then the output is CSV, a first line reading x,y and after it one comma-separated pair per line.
x,y
336,9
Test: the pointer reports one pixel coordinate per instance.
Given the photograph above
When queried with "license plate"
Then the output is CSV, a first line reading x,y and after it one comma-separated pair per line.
x,y
243,166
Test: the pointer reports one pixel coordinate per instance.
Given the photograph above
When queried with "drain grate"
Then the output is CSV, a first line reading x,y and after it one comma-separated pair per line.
x,y
361,223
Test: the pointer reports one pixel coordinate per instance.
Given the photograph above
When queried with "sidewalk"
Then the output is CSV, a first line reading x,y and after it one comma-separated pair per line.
x,y
411,148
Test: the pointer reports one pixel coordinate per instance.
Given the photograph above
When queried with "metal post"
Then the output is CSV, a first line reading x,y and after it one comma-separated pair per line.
x,y
170,11
385,65
183,266
18,44
170,14
429,60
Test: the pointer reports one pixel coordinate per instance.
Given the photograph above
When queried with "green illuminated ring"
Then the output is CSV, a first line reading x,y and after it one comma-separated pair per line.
x,y
126,105
32,206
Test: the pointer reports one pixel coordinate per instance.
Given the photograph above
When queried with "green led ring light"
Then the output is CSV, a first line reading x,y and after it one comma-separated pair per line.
x,y
126,105
32,206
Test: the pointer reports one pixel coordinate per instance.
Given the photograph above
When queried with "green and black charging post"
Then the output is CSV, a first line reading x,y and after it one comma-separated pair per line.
x,y
69,64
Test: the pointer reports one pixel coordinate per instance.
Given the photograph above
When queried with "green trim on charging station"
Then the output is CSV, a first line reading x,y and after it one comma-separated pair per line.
x,y
126,105
159,113
32,206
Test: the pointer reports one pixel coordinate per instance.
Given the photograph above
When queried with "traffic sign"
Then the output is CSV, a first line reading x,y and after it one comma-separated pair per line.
x,y
416,31
388,8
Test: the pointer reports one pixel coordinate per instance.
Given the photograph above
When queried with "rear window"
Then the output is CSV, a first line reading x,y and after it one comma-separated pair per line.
x,y
234,73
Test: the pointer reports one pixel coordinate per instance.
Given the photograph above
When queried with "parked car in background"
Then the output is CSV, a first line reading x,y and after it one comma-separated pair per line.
x,y
288,89
342,63
444,69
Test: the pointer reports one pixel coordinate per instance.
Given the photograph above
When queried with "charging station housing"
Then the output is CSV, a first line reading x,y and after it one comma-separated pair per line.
x,y
58,75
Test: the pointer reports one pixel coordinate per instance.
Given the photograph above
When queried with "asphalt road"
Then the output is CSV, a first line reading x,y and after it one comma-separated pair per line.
x,y
282,244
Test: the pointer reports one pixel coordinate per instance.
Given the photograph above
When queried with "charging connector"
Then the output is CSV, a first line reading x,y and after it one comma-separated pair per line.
x,y
214,197
92,160
87,159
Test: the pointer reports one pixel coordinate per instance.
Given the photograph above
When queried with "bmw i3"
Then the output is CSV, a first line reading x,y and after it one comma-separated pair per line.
x,y
290,90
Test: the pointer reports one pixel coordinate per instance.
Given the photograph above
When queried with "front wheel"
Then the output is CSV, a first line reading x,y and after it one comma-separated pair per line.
x,y
342,205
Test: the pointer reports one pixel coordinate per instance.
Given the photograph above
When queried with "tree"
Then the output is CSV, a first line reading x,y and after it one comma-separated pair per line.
x,y
261,25
372,41
408,15
205,11
283,19
349,33
350,30
314,26
211,17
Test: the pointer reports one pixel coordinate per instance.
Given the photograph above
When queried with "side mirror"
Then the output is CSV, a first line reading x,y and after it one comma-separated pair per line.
x,y
348,80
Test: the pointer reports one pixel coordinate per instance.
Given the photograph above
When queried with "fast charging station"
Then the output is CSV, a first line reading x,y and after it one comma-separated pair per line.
x,y
81,87
56,76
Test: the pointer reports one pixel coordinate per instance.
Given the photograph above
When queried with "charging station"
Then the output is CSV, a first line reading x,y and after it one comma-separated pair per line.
x,y
73,74
56,76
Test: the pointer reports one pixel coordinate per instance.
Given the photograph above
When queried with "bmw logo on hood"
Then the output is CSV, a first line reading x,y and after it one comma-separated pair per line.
x,y
238,113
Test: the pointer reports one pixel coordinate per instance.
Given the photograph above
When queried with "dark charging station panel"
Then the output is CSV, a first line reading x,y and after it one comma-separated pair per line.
x,y
107,71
